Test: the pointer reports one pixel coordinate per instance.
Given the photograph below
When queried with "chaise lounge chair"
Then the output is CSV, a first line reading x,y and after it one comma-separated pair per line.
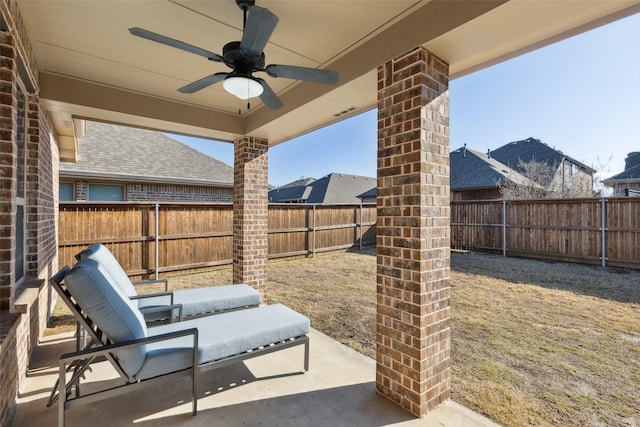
x,y
144,356
193,302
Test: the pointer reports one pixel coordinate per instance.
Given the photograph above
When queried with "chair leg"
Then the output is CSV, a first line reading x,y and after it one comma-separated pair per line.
x,y
194,376
306,355
62,394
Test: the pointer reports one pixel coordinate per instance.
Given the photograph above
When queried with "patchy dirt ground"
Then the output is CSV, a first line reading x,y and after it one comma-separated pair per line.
x,y
533,342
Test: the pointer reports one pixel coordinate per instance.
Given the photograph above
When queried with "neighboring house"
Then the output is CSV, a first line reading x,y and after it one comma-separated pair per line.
x,y
335,188
627,183
294,192
370,196
572,177
476,176
118,163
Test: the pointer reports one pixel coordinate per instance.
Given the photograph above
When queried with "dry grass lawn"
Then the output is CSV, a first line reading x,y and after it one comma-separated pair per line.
x,y
534,343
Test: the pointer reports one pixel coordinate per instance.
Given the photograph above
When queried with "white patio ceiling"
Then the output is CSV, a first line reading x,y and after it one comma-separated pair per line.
x,y
92,68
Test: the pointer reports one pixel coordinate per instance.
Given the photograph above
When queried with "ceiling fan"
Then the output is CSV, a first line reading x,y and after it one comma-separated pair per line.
x,y
244,58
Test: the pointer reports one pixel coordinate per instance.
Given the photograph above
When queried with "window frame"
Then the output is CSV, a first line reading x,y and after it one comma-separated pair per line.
x,y
103,184
73,191
22,117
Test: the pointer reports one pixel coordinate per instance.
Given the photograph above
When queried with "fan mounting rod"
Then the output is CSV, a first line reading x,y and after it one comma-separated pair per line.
x,y
245,4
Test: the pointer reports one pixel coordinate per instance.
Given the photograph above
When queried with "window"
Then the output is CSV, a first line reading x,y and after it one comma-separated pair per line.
x,y
22,181
66,192
105,193
574,169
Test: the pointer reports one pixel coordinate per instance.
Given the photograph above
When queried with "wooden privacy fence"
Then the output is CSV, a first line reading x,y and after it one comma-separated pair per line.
x,y
603,232
179,237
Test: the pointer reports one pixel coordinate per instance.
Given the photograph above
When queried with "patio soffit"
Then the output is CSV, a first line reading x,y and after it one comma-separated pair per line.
x,y
92,68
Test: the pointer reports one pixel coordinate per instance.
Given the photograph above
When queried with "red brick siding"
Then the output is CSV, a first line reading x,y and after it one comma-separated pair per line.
x,y
250,212
8,180
143,192
42,190
413,336
9,377
23,311
177,193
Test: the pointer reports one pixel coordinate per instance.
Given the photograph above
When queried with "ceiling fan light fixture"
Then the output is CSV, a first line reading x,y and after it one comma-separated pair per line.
x,y
242,87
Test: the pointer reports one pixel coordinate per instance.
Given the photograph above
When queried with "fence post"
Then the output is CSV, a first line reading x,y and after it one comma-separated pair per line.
x,y
504,228
157,241
313,231
361,224
603,230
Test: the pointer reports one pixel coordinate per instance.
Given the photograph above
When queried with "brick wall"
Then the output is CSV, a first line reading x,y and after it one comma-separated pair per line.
x,y
250,212
8,160
9,324
135,192
412,334
19,333
24,307
177,193
81,190
42,193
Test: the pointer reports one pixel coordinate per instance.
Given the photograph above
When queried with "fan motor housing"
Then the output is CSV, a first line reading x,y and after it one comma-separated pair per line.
x,y
239,61
245,4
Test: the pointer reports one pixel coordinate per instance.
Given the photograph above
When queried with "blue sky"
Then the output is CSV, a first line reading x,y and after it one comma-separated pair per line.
x,y
580,96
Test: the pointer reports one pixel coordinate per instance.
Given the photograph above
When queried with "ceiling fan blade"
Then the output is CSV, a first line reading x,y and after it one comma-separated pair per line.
x,y
302,73
203,82
258,28
159,38
269,97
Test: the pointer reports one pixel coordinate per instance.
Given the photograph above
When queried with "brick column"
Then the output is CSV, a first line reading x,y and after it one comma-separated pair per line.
x,y
250,212
413,336
8,172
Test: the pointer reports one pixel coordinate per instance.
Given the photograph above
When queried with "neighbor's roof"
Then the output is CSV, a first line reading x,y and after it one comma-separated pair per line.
x,y
631,171
369,194
333,188
287,193
532,149
471,169
297,183
629,175
118,153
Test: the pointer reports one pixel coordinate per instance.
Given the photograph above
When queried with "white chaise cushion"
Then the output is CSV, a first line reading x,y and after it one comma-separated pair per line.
x,y
194,301
215,298
103,256
221,336
111,310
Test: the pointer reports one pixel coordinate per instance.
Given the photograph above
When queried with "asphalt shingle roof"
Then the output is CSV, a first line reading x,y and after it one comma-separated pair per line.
x,y
631,170
369,194
531,149
471,169
333,188
132,154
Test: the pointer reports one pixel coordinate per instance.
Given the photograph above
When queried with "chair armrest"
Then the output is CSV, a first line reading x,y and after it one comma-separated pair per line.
x,y
110,348
154,295
159,309
152,281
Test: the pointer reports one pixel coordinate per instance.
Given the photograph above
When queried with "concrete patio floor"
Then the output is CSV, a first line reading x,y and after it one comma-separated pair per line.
x,y
338,390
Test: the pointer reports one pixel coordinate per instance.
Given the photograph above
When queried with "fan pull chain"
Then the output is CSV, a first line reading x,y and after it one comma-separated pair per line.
x,y
248,102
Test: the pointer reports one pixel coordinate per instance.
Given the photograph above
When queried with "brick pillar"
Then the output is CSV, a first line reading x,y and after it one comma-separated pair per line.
x,y
250,212
413,335
8,172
